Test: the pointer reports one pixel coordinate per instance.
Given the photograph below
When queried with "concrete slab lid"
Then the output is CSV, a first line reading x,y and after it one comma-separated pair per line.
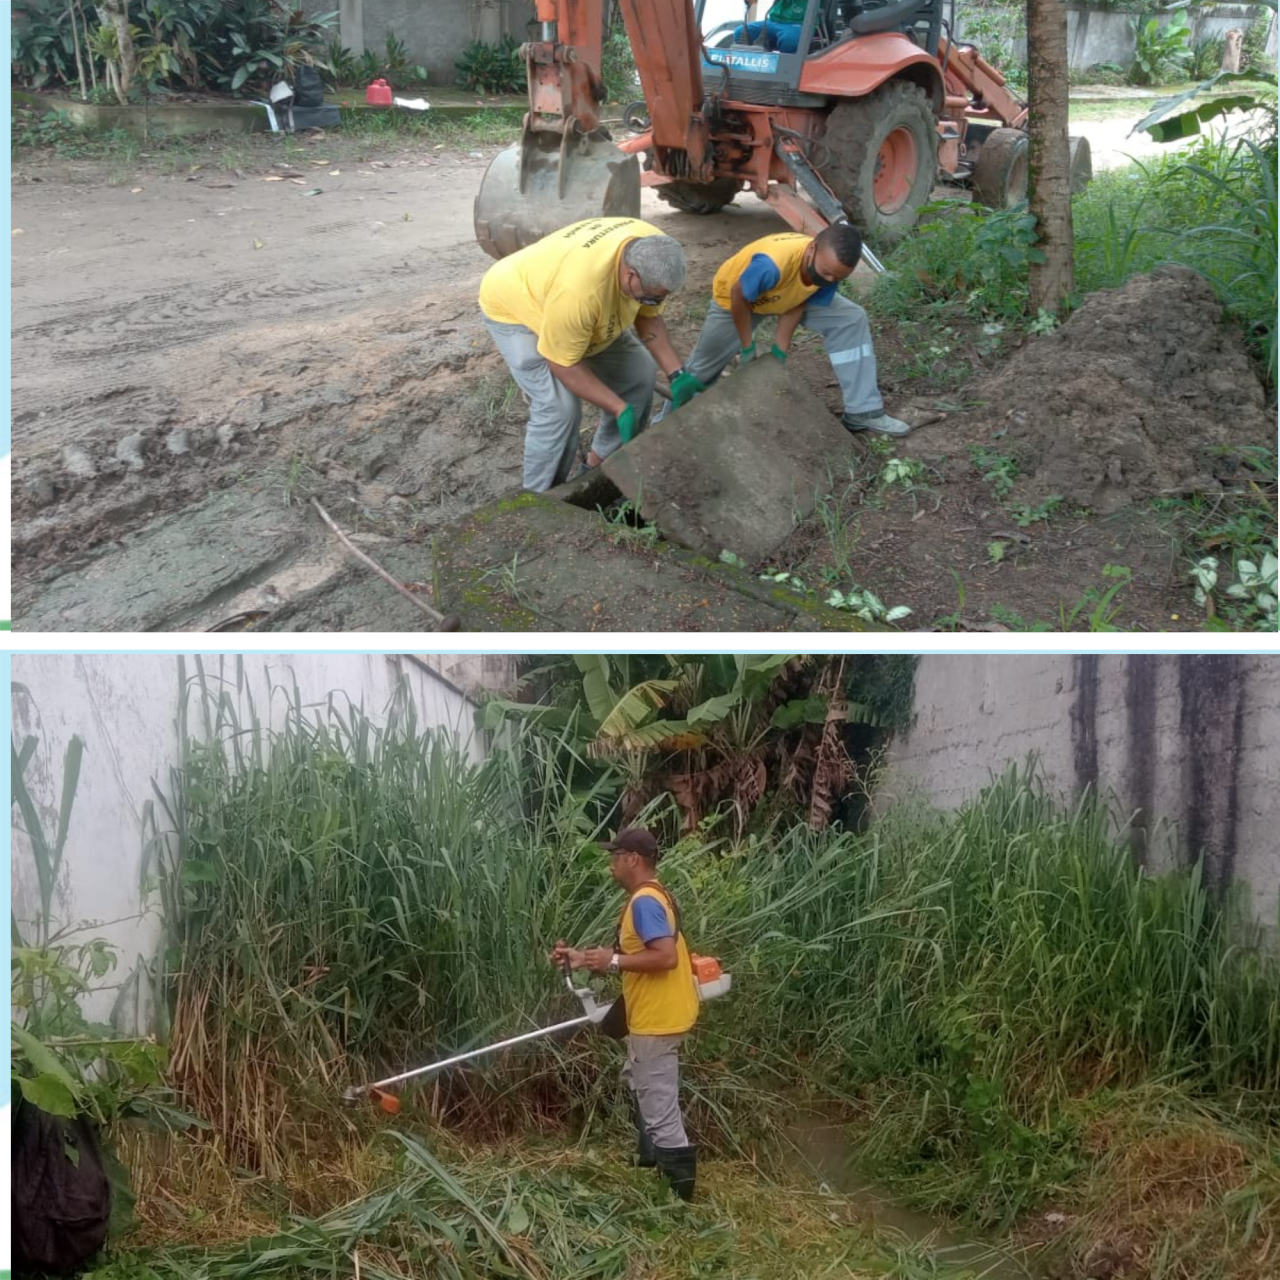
x,y
738,466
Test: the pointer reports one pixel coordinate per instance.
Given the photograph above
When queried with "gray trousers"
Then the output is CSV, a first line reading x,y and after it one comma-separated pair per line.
x,y
555,413
845,332
652,1073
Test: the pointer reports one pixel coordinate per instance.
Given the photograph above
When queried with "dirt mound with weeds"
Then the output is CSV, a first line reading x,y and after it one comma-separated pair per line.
x,y
1144,391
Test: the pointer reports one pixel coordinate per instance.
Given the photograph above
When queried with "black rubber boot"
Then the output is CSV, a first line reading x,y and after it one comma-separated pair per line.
x,y
645,1158
679,1166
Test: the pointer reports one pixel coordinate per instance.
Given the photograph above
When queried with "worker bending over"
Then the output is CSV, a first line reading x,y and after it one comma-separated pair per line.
x,y
561,313
794,277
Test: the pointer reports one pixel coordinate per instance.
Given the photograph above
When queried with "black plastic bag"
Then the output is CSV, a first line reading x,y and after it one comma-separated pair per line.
x,y
308,89
61,1192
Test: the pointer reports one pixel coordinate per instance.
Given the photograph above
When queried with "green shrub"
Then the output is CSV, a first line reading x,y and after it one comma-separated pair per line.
x,y
492,68
1163,52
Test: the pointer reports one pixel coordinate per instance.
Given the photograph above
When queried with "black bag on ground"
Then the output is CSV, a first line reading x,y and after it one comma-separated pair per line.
x,y
308,88
61,1192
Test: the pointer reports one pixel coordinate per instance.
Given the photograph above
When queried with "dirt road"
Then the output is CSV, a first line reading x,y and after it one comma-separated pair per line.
x,y
173,335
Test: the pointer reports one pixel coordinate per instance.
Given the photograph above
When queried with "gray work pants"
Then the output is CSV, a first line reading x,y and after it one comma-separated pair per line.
x,y
652,1073
555,413
845,332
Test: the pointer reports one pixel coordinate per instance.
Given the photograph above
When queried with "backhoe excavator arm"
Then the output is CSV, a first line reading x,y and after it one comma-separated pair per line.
x,y
565,89
564,169
667,46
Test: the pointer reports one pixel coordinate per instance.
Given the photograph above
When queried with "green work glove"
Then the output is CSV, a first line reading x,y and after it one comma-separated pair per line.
x,y
778,353
747,353
684,386
627,424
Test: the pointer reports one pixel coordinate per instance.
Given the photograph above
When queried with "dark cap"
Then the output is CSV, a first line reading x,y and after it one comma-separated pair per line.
x,y
634,840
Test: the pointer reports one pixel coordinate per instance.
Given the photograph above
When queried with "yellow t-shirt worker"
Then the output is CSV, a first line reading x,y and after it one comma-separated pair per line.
x,y
661,1002
795,277
562,312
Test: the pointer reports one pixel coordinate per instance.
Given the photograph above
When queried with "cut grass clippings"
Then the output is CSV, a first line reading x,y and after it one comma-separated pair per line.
x,y
410,1204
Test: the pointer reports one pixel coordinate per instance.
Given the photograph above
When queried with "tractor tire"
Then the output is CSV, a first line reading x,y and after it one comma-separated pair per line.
x,y
881,158
1000,172
699,197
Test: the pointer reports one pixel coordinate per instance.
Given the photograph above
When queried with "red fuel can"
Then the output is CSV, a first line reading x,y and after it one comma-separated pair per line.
x,y
378,94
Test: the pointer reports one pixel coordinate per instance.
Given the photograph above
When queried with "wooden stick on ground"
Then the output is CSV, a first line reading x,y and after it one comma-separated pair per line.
x,y
444,622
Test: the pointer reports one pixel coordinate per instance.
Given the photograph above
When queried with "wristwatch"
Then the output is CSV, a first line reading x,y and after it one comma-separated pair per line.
x,y
614,965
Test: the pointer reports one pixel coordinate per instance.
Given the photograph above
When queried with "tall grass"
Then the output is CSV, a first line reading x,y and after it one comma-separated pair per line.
x,y
351,898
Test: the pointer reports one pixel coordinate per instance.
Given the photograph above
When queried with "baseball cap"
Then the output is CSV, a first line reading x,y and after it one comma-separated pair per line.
x,y
634,840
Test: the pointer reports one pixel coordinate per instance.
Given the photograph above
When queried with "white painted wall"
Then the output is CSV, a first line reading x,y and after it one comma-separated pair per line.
x,y
1190,740
124,708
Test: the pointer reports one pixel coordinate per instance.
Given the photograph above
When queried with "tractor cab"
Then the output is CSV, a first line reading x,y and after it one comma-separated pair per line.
x,y
741,59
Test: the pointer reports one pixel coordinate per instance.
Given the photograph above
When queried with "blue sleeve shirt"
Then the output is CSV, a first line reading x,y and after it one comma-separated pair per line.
x,y
649,919
762,274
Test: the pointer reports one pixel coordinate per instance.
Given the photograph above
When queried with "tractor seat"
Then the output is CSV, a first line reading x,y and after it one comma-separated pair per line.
x,y
865,21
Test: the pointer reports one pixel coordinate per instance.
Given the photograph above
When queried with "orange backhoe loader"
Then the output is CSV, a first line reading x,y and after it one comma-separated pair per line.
x,y
852,113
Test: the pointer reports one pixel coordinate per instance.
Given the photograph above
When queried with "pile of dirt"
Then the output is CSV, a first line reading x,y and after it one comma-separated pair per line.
x,y
1138,394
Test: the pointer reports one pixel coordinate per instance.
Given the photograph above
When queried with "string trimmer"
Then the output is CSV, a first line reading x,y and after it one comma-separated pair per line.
x,y
708,977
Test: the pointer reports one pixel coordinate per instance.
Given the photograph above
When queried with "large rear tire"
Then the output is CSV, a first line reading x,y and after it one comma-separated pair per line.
x,y
881,158
699,197
1000,172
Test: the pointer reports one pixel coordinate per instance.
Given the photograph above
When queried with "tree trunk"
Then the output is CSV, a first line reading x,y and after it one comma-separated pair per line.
x,y
75,40
116,13
1050,158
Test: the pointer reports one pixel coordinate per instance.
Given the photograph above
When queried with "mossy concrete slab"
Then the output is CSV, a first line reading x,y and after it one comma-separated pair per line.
x,y
162,577
534,563
738,466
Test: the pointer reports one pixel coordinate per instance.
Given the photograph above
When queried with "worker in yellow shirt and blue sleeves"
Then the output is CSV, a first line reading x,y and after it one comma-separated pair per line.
x,y
561,312
795,277
661,1000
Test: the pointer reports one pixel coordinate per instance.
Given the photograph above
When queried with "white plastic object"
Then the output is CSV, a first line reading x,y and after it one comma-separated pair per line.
x,y
716,987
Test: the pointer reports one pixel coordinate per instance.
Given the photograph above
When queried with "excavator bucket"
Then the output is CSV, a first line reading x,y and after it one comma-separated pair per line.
x,y
548,180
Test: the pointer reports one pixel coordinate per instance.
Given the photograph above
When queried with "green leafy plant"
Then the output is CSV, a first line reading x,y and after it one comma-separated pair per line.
x,y
1162,52
1095,606
1254,588
43,48
999,470
1026,514
617,62
252,43
492,68
901,471
864,603
61,1061
1206,56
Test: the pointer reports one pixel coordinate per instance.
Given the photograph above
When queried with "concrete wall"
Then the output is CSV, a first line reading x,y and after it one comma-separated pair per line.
x,y
436,32
124,708
1187,739
1106,35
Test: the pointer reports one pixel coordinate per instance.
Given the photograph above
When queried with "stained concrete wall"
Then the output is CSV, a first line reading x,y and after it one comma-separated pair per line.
x,y
124,708
435,31
1184,738
1106,35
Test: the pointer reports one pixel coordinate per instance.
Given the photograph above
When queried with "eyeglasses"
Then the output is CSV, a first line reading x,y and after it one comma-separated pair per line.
x,y
640,298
